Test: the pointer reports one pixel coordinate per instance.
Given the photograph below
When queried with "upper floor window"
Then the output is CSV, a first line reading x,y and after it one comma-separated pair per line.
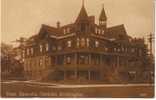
x,y
99,31
78,42
96,43
23,53
47,47
64,31
132,50
103,31
114,49
68,30
68,60
69,43
40,62
87,42
32,51
82,42
41,48
53,47
27,51
96,30
59,47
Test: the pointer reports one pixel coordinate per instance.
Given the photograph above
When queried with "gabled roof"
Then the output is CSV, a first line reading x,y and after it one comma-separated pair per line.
x,y
82,15
103,16
116,32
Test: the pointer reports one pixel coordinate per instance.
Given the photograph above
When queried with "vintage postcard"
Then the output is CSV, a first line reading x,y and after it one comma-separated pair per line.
x,y
77,48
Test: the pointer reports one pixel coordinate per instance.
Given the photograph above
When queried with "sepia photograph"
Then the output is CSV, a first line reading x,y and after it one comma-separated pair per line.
x,y
77,49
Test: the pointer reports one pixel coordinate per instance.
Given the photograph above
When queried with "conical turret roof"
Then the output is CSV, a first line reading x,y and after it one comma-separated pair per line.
x,y
103,16
82,15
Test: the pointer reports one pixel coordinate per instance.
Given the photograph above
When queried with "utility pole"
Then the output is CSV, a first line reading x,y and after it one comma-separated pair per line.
x,y
150,40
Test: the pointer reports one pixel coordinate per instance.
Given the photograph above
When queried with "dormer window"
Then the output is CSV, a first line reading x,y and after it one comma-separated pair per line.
x,y
68,30
47,47
69,43
64,31
41,48
96,43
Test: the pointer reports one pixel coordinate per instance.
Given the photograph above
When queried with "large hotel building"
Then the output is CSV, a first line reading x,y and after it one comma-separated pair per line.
x,y
85,51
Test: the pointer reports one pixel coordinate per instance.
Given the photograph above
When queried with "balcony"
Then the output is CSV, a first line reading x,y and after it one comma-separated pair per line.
x,y
77,67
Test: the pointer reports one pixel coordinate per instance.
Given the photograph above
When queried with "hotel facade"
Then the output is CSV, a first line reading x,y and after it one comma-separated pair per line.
x,y
85,51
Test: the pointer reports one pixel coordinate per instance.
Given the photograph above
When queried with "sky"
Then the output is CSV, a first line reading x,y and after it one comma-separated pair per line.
x,y
25,17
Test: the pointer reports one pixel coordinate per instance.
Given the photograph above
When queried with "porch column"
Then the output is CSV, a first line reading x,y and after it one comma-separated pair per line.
x,y
76,74
117,61
64,72
90,58
101,60
89,75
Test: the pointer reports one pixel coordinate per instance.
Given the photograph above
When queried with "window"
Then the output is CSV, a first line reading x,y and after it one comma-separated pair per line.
x,y
114,49
68,60
69,43
96,44
82,42
41,48
64,31
103,32
59,48
96,30
68,30
32,51
118,49
88,42
82,59
47,47
23,53
27,51
83,27
106,49
99,31
53,48
78,42
132,50
40,62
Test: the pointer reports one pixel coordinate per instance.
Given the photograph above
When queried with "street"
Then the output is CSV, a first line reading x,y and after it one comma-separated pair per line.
x,y
40,89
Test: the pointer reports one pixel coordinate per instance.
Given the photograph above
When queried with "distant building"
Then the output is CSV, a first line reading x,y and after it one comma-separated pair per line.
x,y
84,51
